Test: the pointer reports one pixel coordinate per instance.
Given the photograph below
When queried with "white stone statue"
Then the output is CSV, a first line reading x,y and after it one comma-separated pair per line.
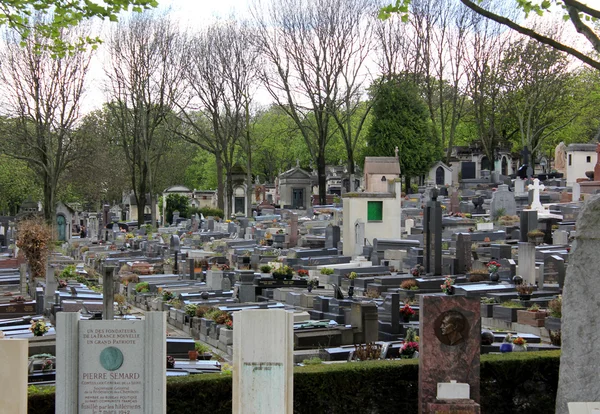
x,y
536,187
560,157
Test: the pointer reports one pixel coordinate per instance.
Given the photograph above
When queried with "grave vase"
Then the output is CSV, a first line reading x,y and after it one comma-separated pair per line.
x,y
450,291
494,276
519,348
405,318
506,347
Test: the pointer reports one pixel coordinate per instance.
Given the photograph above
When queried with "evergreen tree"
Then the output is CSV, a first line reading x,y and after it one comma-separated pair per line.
x,y
400,119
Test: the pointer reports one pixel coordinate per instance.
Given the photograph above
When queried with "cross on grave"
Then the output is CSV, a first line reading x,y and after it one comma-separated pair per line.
x,y
536,187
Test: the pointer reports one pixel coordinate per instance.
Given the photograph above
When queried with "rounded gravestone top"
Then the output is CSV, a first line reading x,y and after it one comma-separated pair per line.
x,y
111,358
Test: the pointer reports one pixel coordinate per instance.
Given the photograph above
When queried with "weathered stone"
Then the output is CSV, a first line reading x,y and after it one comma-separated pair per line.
x,y
578,377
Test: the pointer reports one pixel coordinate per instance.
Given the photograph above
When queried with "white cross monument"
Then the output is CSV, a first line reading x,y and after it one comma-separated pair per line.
x,y
536,187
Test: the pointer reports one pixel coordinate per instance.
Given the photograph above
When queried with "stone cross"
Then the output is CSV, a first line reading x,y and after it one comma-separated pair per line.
x,y
536,187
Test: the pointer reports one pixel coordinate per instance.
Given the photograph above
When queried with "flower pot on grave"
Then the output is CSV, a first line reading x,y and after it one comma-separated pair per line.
x,y
494,276
405,318
193,355
450,291
519,348
506,347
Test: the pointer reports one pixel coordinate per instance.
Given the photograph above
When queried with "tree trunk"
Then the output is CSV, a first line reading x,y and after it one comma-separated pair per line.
x,y
407,184
220,182
322,177
49,202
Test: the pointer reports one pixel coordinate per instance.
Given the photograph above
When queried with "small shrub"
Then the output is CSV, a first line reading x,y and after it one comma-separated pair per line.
x,y
142,287
191,309
201,311
284,272
367,352
487,301
313,361
326,271
509,304
167,295
409,284
372,293
201,348
33,238
120,299
555,306
265,269
473,278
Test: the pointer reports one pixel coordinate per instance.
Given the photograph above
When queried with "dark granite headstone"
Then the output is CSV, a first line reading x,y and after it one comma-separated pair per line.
x,y
468,170
463,252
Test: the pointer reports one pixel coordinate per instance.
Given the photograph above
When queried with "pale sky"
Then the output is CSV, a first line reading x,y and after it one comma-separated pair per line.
x,y
191,14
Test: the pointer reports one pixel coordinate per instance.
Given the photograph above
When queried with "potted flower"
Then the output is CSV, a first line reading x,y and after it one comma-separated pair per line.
x,y
203,351
266,270
506,345
406,312
38,328
47,365
519,344
283,272
409,284
170,362
312,283
493,267
409,350
167,295
535,236
326,271
524,291
448,286
302,272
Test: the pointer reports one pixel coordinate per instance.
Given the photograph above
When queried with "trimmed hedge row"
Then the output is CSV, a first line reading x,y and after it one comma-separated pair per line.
x,y
524,382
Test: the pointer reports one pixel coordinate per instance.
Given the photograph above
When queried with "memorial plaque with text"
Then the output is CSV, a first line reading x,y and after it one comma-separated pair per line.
x,y
111,368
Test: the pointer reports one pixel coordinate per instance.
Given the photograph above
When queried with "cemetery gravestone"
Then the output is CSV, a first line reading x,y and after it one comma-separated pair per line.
x,y
578,375
450,332
263,376
13,375
454,203
463,252
554,271
468,170
432,228
526,255
503,201
111,366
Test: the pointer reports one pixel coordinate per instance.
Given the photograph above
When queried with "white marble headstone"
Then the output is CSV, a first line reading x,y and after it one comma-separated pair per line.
x,y
263,372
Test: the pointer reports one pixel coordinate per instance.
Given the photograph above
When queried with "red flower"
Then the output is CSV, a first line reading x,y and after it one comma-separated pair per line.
x,y
407,310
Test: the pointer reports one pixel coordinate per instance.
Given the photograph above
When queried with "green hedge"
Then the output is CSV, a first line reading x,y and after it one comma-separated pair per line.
x,y
524,382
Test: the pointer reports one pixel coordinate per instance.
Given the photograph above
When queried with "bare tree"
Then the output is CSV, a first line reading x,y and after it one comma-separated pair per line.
x,y
315,49
535,81
220,71
144,78
42,101
483,57
431,47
